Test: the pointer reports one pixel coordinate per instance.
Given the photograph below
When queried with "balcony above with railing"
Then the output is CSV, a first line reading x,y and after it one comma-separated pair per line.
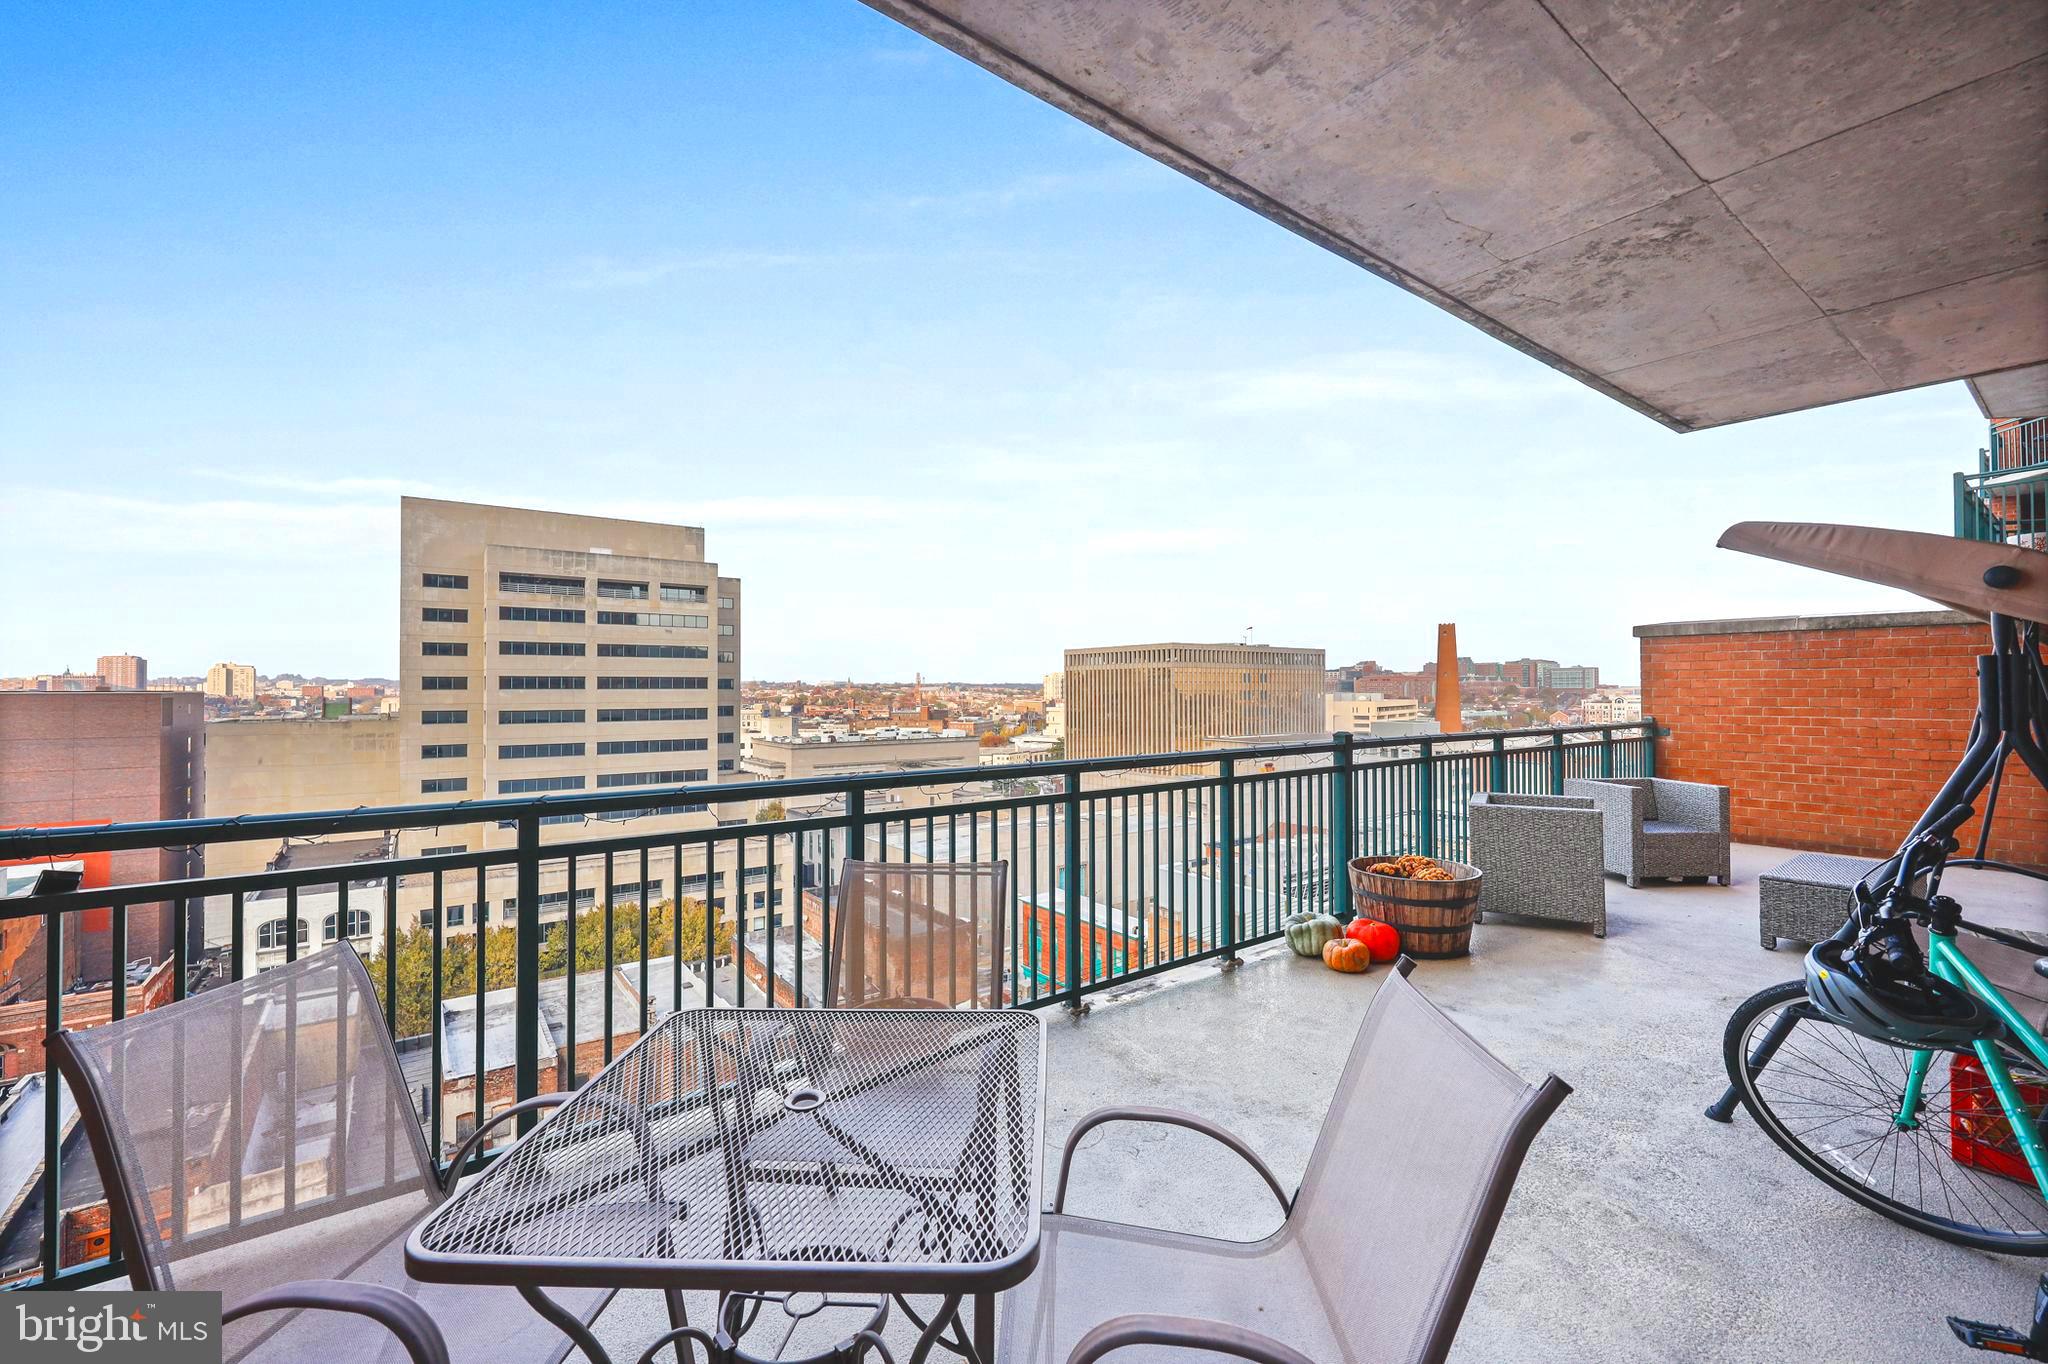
x,y
2006,499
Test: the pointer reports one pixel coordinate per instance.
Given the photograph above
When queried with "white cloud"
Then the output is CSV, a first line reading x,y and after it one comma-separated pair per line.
x,y
1164,540
1025,189
323,486
1375,376
1064,461
382,494
121,526
853,510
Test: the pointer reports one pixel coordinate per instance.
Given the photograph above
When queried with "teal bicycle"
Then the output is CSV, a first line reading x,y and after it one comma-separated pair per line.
x,y
1896,1071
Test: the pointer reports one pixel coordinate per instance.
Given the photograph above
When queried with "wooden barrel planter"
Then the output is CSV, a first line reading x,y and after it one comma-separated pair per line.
x,y
1434,918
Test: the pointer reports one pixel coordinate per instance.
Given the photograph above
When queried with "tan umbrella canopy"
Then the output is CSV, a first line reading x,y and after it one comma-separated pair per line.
x,y
1971,576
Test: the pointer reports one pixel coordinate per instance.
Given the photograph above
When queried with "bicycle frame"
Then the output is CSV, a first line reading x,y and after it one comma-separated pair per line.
x,y
1949,962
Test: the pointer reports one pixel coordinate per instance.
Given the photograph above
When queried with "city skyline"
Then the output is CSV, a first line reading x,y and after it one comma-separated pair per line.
x,y
915,344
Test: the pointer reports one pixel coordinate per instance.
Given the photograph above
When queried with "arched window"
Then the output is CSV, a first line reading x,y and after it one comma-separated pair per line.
x,y
358,925
271,935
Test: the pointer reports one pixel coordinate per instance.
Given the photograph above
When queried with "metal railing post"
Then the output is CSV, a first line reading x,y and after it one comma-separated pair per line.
x,y
1606,751
1226,832
526,980
53,1160
1425,786
1497,773
856,825
1650,733
1557,762
1341,851
1070,894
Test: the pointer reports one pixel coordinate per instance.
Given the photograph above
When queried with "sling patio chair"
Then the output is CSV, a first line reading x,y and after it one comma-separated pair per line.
x,y
1370,1270
923,935
904,936
259,1140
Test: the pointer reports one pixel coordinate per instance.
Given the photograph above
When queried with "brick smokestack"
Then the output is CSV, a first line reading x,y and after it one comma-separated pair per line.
x,y
1449,714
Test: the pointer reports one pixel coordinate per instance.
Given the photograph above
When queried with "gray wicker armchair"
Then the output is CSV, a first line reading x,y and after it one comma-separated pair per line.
x,y
259,1140
1542,855
1659,829
1352,1273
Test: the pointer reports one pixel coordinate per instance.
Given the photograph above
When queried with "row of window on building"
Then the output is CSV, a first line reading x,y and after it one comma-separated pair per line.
x,y
550,585
270,935
620,715
605,748
527,786
572,682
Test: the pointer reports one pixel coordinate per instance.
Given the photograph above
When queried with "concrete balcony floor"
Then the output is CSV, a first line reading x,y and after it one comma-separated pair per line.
x,y
1639,1231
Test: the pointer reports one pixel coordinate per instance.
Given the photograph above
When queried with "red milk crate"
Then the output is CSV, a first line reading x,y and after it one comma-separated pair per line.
x,y
1979,1135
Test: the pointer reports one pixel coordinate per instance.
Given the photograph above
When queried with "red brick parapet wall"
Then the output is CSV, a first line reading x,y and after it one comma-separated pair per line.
x,y
1833,732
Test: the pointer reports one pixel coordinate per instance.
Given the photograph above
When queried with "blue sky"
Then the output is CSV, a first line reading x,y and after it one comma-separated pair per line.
x,y
952,381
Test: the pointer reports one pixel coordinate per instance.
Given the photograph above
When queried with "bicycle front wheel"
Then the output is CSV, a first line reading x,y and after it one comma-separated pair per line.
x,y
1830,1098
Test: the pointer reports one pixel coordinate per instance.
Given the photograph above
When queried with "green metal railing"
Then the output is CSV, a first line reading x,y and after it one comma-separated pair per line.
x,y
2006,500
1120,868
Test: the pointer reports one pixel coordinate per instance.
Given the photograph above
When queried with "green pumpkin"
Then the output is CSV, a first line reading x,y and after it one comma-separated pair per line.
x,y
1307,932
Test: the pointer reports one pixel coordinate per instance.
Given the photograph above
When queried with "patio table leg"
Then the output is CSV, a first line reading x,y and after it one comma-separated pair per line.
x,y
678,1318
566,1322
985,1327
948,1313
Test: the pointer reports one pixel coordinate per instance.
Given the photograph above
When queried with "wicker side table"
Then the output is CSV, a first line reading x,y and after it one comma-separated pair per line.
x,y
1807,897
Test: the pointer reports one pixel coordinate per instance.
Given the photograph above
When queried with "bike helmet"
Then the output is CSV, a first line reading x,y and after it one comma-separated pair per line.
x,y
1915,1010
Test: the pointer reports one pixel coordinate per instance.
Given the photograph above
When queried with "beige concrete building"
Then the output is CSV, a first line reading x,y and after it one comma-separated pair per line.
x,y
232,681
776,759
1357,712
124,672
543,653
1176,698
277,766
1617,706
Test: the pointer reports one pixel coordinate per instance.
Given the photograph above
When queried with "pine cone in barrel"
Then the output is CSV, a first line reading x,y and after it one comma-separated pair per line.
x,y
1386,869
1414,864
1434,874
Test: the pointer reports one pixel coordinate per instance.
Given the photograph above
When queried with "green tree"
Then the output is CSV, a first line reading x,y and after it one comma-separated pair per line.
x,y
414,953
770,813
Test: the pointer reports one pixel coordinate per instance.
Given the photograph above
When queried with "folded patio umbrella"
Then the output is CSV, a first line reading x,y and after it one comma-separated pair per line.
x,y
1972,576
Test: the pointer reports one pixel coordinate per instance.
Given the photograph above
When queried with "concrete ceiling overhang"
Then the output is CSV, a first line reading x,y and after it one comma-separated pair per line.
x,y
1710,210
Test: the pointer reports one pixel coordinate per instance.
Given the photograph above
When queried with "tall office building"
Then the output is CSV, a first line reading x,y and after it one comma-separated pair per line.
x,y
1176,698
544,653
232,681
124,672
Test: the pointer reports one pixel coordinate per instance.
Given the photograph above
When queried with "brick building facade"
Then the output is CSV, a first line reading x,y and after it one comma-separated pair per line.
x,y
112,757
1834,732
22,1025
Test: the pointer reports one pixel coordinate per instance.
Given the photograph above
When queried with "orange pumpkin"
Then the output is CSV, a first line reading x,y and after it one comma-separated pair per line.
x,y
1380,939
1346,955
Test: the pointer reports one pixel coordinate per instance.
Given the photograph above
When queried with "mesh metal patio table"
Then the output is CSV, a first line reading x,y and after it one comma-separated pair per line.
x,y
882,1151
